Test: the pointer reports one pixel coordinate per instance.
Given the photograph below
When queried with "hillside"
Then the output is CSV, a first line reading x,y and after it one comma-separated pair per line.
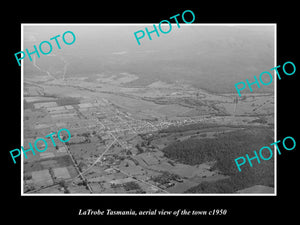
x,y
224,149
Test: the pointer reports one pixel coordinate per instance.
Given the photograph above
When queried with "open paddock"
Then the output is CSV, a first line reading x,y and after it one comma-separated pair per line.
x,y
87,150
42,164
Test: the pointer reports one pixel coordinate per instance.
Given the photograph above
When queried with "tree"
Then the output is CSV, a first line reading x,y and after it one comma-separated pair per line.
x,y
140,150
27,177
131,186
62,183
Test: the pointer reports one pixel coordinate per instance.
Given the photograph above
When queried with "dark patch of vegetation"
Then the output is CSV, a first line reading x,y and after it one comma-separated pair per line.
x,y
140,150
172,128
28,105
115,185
262,174
165,177
63,184
171,163
81,166
67,101
51,172
194,126
222,186
260,120
27,177
224,150
129,186
192,151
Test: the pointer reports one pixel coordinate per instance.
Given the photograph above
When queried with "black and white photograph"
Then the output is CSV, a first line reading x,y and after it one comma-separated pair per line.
x,y
162,117
149,113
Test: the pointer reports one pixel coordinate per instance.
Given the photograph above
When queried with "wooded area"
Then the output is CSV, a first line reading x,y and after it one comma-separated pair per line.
x,y
224,149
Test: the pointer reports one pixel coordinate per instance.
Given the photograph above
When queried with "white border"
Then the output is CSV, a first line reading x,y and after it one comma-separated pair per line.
x,y
143,24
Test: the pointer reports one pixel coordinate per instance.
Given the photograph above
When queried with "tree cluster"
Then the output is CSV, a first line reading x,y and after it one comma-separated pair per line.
x,y
223,150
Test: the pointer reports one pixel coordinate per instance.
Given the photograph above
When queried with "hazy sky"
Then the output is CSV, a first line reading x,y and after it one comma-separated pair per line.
x,y
194,53
94,39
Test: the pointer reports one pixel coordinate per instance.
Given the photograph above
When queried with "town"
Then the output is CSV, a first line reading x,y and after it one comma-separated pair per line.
x,y
115,150
162,118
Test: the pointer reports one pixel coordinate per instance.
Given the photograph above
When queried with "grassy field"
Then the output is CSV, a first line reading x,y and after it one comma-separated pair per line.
x,y
62,161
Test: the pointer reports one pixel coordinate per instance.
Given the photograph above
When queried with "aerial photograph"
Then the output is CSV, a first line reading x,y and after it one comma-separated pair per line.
x,y
159,118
